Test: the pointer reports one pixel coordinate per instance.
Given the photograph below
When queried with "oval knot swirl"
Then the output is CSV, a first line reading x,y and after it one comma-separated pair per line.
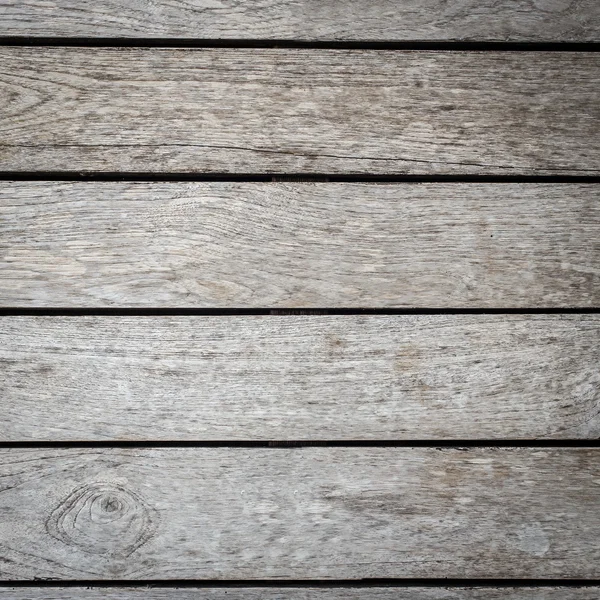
x,y
103,518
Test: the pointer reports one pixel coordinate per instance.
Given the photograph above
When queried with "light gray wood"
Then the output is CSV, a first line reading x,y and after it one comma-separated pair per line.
x,y
224,244
299,111
383,20
300,377
304,513
298,593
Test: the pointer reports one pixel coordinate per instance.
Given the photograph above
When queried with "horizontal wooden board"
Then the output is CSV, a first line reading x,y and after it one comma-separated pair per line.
x,y
384,20
303,593
300,377
253,245
307,513
244,110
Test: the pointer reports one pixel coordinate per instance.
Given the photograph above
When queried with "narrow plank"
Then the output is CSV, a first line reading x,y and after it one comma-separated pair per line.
x,y
249,245
283,110
383,20
309,513
304,593
300,377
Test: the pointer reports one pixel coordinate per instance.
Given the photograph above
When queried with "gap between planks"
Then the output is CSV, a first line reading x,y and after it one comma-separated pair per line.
x,y
178,177
17,311
116,42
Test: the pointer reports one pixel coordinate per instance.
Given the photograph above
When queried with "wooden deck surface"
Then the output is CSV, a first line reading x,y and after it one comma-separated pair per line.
x,y
347,377
256,245
302,513
358,20
299,300
289,110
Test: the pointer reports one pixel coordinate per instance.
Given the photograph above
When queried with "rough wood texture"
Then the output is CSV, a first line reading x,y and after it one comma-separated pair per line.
x,y
239,513
297,378
229,244
499,20
299,111
315,593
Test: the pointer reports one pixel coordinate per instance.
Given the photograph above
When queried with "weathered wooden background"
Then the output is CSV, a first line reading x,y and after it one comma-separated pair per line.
x,y
300,299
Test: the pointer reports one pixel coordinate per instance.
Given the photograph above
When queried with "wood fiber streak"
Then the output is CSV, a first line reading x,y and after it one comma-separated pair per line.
x,y
309,513
300,377
228,110
316,593
383,20
254,245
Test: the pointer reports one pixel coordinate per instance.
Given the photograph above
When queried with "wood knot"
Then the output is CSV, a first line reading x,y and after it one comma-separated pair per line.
x,y
103,518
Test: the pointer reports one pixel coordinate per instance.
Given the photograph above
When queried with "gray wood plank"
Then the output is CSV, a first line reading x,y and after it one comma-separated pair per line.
x,y
300,377
224,244
281,110
304,593
383,20
323,513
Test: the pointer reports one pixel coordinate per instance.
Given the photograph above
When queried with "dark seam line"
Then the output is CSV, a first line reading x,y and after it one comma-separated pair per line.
x,y
304,583
459,445
114,176
151,42
226,312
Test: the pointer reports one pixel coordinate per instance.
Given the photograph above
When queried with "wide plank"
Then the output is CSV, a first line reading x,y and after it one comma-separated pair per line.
x,y
300,377
303,593
381,20
252,245
252,110
304,513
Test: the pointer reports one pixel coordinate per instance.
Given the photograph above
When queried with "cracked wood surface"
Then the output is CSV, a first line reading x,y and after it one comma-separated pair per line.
x,y
228,244
245,110
304,593
300,377
303,513
382,20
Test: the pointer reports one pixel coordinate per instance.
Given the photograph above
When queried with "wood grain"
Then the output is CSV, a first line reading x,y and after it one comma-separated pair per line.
x,y
300,377
225,110
383,20
303,593
304,513
253,245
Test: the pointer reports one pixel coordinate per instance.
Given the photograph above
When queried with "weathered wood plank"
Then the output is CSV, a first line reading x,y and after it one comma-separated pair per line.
x,y
299,111
224,244
384,20
297,378
242,513
304,593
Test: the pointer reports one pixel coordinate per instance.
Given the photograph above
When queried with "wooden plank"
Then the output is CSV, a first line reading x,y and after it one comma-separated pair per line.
x,y
300,377
224,244
383,20
244,110
303,593
304,513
